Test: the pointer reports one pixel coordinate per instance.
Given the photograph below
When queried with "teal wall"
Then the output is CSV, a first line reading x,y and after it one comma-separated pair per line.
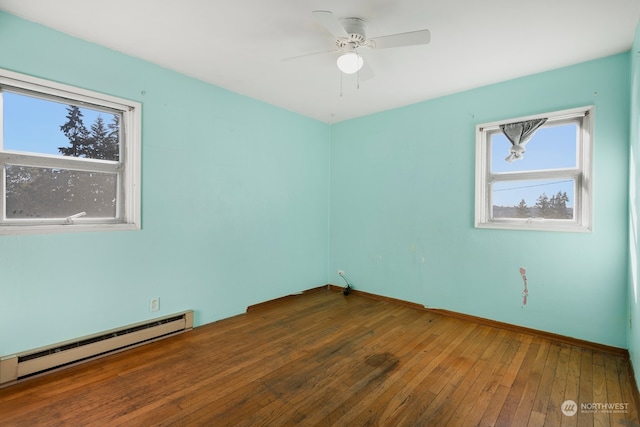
x,y
238,196
234,204
634,211
402,209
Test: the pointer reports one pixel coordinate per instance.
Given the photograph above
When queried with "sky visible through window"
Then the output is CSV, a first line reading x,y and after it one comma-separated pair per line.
x,y
33,125
552,147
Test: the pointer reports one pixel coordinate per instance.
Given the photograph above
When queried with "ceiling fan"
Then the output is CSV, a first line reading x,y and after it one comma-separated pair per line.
x,y
350,34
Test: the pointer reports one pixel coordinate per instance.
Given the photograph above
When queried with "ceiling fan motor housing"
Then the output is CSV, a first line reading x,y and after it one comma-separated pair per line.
x,y
356,28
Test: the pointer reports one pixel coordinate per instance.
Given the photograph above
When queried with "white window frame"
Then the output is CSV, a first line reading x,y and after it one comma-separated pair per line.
x,y
582,175
127,167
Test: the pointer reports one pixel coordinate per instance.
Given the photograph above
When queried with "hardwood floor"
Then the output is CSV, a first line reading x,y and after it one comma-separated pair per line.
x,y
328,360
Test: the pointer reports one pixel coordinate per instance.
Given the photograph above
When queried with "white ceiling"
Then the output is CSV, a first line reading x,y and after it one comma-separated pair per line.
x,y
240,44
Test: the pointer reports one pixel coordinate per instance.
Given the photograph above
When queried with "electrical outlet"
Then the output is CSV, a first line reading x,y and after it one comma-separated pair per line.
x,y
154,304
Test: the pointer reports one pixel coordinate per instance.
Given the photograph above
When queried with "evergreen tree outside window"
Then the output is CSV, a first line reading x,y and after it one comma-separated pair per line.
x,y
550,187
69,158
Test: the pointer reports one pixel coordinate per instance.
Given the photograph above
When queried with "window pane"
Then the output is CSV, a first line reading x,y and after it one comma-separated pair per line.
x,y
549,199
43,126
551,147
59,193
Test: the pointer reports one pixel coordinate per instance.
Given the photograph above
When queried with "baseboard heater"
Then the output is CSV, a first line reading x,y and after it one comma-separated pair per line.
x,y
46,359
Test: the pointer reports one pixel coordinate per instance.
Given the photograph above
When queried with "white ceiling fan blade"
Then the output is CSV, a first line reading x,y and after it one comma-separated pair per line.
x,y
366,72
330,22
403,39
304,55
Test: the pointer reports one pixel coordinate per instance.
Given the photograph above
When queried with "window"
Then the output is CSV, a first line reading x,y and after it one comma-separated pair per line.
x,y
69,158
534,173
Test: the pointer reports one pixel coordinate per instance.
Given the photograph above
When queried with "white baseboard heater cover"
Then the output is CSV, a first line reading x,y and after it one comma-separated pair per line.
x,y
46,359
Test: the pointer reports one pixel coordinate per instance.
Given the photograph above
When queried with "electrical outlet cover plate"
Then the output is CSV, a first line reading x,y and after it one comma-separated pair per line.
x,y
154,304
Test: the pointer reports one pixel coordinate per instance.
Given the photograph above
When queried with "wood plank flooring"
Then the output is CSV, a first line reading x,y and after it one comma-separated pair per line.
x,y
323,359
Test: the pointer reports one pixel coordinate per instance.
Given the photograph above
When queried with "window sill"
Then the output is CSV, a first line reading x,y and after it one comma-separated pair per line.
x,y
537,225
15,230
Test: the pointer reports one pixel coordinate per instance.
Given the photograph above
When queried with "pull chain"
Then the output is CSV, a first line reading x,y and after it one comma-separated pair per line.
x,y
357,72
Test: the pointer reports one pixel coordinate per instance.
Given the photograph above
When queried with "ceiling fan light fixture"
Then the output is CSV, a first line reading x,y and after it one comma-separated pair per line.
x,y
350,63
